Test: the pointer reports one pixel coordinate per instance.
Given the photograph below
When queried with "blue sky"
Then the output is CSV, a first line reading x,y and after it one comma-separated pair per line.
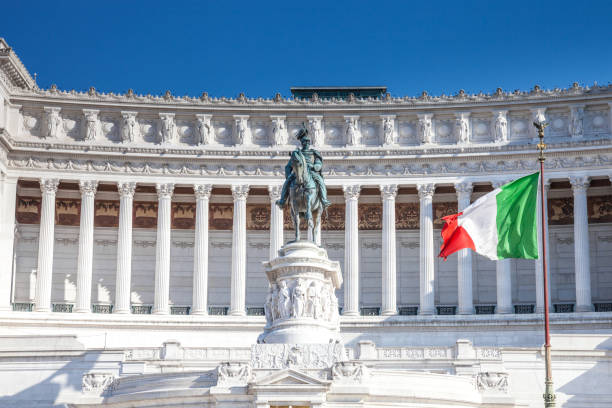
x,y
264,47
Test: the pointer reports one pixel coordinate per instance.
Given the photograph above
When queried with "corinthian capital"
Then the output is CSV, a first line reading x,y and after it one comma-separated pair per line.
x,y
202,190
275,192
388,191
465,187
580,183
240,191
351,191
164,190
88,187
126,189
48,185
426,190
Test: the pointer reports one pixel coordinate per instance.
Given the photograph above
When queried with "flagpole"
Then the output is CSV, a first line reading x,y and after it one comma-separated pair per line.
x,y
549,392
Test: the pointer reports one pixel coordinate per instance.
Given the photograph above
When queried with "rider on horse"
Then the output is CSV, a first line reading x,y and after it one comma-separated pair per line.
x,y
315,163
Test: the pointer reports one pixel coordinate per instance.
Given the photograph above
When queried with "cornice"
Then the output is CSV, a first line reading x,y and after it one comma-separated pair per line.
x,y
15,74
279,103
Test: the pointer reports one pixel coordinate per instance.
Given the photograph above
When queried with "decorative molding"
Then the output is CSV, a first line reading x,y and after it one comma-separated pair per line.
x,y
99,382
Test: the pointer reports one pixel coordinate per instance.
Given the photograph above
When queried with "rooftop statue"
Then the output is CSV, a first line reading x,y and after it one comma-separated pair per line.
x,y
305,187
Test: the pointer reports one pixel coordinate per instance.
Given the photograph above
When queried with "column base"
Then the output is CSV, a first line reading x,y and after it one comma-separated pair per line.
x,y
199,313
350,313
584,308
468,311
237,313
504,310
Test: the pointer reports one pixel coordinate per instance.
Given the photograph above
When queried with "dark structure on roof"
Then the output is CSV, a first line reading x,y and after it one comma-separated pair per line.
x,y
340,92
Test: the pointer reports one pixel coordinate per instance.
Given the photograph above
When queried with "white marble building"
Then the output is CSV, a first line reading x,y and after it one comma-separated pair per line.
x,y
133,230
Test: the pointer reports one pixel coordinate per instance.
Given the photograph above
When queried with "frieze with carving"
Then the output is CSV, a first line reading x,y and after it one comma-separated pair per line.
x,y
600,209
67,212
560,211
183,215
334,219
106,214
258,217
406,216
492,382
442,210
145,215
99,382
233,374
28,210
308,356
220,216
370,216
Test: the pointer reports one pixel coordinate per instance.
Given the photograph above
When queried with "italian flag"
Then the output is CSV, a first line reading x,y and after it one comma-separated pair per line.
x,y
501,224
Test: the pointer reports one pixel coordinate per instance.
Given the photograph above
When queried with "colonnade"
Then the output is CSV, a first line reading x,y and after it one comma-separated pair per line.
x,y
240,193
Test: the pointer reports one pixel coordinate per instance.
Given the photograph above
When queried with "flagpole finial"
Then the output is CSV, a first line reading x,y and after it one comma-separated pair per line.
x,y
540,126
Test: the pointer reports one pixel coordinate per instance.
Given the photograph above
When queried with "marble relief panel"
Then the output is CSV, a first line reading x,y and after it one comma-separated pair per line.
x,y
106,214
223,132
407,132
183,215
596,120
334,134
185,131
67,211
444,131
32,122
560,211
27,210
73,121
145,215
260,133
482,131
442,210
370,133
559,122
519,127
220,216
258,217
370,216
111,127
148,129
600,209
406,216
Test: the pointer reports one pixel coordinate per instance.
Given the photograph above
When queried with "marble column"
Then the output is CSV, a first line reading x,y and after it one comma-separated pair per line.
x,y
464,257
582,265
85,257
389,275
276,221
124,248
503,276
239,258
162,249
8,194
44,278
426,249
351,251
200,250
539,271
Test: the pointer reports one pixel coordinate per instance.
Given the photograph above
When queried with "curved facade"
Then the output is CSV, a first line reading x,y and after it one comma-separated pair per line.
x,y
134,228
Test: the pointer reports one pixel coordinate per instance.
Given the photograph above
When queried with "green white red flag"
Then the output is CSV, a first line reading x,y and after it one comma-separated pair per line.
x,y
499,225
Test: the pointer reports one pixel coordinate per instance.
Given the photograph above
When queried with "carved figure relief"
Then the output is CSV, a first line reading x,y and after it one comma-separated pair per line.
x,y
560,211
129,127
462,129
600,209
310,356
352,131
145,215
258,217
425,129
106,213
242,130
492,381
167,129
501,127
220,216
442,210
229,374
315,129
92,127
54,124
370,216
576,128
205,132
349,371
99,382
388,128
183,215
279,131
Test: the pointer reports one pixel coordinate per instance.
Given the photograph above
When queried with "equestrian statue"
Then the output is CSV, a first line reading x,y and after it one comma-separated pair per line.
x,y
305,187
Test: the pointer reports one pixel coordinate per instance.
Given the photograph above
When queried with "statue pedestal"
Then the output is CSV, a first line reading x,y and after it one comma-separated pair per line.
x,y
301,306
